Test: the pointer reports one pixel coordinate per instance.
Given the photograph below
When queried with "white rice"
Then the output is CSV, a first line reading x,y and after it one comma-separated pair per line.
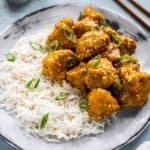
x,y
66,121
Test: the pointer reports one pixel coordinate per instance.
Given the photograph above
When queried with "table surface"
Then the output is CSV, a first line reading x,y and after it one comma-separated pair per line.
x,y
9,14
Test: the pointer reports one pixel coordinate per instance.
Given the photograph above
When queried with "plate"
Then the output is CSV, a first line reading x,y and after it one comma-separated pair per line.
x,y
125,127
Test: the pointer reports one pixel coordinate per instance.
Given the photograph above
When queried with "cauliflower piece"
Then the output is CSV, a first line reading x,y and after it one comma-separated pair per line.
x,y
54,64
100,73
91,43
63,34
101,104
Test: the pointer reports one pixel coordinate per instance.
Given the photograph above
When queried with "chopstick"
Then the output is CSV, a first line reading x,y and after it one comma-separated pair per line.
x,y
121,3
144,10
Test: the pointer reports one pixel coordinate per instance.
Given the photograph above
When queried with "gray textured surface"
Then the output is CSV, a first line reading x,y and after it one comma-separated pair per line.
x,y
9,14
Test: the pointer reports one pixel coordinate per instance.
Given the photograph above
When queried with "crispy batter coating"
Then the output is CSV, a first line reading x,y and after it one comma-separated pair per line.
x,y
136,87
101,104
75,76
84,25
110,31
112,53
127,69
62,27
126,44
54,64
130,62
111,66
91,43
100,73
92,14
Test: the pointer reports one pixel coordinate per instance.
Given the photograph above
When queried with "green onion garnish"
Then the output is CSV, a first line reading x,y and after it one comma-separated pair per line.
x,y
44,120
104,23
119,42
62,96
113,37
70,62
53,46
36,46
97,59
96,28
69,34
83,104
80,16
116,39
117,88
127,59
32,84
10,57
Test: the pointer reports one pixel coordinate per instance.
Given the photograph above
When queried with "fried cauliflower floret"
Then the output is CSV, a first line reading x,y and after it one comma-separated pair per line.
x,y
128,61
136,88
63,34
89,12
112,53
54,64
126,44
101,104
75,76
84,25
127,69
91,43
68,21
100,73
110,31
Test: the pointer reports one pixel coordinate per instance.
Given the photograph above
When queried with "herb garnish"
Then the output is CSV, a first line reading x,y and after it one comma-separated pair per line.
x,y
116,39
104,23
62,96
117,88
10,57
44,120
97,60
81,16
83,104
37,46
32,84
70,62
127,59
53,46
69,34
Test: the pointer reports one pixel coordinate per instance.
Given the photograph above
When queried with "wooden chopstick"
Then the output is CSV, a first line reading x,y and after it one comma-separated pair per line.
x,y
120,2
144,10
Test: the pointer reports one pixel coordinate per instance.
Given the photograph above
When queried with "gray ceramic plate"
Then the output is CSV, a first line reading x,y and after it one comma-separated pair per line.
x,y
125,127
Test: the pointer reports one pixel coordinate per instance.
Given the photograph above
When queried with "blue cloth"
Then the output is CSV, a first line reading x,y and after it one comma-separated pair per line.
x,y
9,14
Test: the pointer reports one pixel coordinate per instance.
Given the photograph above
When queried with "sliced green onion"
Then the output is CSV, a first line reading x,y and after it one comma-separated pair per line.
x,y
115,38
62,96
36,46
10,57
69,34
32,84
117,88
70,62
53,46
44,120
97,59
96,28
80,16
83,104
119,42
127,59
104,23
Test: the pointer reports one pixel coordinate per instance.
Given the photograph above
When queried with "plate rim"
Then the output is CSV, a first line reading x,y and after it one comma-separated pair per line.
x,y
146,124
